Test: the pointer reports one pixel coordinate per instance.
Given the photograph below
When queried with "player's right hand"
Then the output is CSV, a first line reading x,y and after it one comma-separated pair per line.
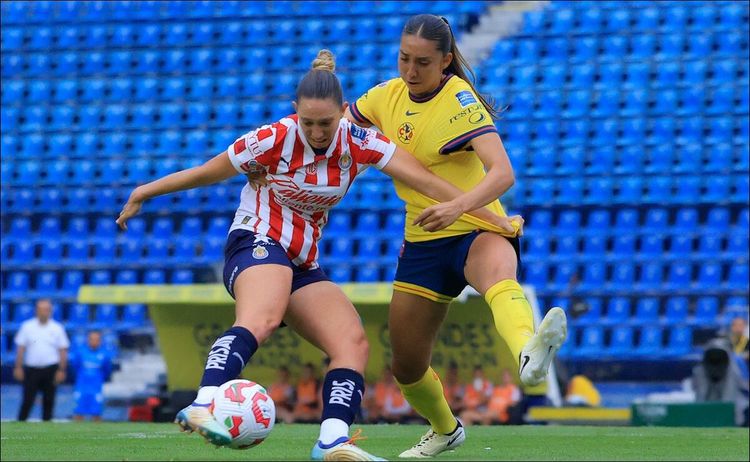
x,y
257,180
18,373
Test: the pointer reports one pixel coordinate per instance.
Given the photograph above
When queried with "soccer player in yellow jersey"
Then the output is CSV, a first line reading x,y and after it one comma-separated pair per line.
x,y
433,112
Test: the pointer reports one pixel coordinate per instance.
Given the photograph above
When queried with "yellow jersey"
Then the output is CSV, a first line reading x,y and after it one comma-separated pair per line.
x,y
435,129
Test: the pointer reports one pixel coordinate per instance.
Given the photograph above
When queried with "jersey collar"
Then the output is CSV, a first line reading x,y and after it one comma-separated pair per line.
x,y
333,148
429,96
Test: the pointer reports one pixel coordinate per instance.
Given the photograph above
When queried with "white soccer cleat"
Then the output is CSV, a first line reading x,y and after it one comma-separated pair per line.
x,y
539,352
199,418
433,444
342,449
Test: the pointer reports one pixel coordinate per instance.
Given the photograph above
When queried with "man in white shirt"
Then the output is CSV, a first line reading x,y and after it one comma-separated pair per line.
x,y
41,360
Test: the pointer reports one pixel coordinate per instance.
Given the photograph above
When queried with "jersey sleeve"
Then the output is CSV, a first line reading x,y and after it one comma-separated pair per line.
x,y
370,147
21,338
367,107
62,340
466,118
259,149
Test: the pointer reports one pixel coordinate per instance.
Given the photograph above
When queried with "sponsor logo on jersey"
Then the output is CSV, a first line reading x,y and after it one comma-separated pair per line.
x,y
465,98
345,161
358,132
382,84
409,113
474,113
259,252
405,132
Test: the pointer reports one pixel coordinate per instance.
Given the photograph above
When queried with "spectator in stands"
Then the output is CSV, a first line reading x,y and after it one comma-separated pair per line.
x,y
308,161
41,359
385,404
435,113
91,366
582,392
476,397
282,394
307,406
505,396
717,378
738,336
453,389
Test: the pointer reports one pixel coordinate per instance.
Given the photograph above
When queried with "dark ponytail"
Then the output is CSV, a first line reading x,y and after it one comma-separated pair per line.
x,y
437,29
320,82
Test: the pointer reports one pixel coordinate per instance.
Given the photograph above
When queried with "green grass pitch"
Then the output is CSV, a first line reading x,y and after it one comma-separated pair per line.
x,y
144,441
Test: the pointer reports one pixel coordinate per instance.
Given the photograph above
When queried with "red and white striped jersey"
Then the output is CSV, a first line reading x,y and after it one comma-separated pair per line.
x,y
302,185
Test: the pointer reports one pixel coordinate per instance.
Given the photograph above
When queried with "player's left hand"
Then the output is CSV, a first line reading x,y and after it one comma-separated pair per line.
x,y
257,180
438,216
59,376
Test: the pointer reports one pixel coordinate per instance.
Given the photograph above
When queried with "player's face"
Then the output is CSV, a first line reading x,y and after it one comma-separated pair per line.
x,y
421,64
319,119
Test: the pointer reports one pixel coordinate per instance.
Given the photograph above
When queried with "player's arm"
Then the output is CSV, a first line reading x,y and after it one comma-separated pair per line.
x,y
498,179
215,170
348,115
454,202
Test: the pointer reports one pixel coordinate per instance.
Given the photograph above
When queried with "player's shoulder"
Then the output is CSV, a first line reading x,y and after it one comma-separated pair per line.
x,y
458,93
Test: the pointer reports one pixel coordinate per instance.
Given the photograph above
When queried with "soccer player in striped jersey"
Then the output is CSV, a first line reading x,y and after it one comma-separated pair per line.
x,y
434,112
309,161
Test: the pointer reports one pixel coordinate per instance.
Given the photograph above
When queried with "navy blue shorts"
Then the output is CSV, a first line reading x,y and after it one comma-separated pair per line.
x,y
246,248
435,269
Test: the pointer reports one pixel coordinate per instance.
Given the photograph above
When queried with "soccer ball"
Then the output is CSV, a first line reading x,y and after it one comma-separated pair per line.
x,y
246,410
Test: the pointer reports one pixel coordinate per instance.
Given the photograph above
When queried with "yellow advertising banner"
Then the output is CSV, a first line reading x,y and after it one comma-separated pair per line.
x,y
189,318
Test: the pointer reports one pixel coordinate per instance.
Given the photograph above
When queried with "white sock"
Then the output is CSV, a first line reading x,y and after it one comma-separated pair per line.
x,y
333,429
205,395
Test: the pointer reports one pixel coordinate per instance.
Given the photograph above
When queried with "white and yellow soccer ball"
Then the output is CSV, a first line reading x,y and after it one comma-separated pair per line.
x,y
246,410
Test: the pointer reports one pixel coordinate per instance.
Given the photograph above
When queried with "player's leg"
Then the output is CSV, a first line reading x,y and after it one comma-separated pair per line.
x,y
414,323
490,268
262,294
96,406
321,314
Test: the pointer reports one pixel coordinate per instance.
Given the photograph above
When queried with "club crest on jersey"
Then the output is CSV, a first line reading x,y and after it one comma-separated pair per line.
x,y
252,166
345,161
405,132
465,98
259,252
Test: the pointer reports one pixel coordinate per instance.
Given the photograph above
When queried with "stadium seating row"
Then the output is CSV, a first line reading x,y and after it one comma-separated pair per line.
x,y
112,12
626,342
636,47
698,16
79,315
702,311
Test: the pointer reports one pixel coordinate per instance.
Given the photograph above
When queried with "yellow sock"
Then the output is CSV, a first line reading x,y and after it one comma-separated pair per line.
x,y
514,320
427,398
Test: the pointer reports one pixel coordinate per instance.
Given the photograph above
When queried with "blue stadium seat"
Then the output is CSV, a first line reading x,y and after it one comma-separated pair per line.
x,y
592,342
679,341
737,245
677,310
650,278
681,246
651,246
50,251
706,312
126,277
563,274
710,246
23,252
623,277
629,191
368,272
618,311
656,220
620,342
105,316
536,274
16,284
154,276
595,246
22,312
538,248
623,246
182,276
709,275
658,190
71,282
133,316
46,284
737,278
646,311
594,276
339,273
101,277
593,314
650,342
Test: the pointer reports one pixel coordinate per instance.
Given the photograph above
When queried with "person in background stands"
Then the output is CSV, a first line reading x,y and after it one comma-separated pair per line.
x,y
91,366
282,394
41,359
307,406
